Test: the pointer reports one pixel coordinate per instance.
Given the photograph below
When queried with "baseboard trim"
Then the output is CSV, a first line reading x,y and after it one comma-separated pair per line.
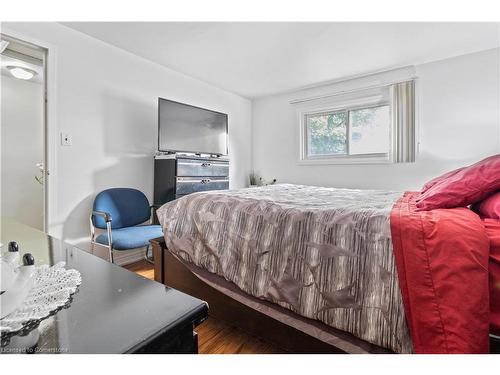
x,y
121,257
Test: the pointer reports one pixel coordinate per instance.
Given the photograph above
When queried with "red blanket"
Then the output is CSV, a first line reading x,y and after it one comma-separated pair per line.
x,y
442,263
493,230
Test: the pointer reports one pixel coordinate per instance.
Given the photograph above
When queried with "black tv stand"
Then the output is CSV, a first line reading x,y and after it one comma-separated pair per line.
x,y
176,175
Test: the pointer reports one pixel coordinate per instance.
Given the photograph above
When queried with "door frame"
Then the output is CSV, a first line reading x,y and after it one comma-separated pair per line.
x,y
49,127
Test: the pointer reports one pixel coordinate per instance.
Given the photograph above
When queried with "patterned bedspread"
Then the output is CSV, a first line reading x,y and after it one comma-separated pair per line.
x,y
323,253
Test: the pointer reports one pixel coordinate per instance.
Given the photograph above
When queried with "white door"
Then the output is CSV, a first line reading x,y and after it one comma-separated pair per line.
x,y
22,132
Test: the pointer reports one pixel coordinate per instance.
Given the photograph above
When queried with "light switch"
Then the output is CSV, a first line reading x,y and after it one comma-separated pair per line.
x,y
66,139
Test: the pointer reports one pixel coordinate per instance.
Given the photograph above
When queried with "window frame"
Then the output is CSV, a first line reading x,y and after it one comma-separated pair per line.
x,y
365,103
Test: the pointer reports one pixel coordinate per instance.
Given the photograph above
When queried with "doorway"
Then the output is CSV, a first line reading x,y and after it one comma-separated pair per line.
x,y
23,132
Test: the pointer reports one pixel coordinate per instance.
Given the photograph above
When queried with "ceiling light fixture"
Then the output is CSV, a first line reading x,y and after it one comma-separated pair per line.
x,y
21,73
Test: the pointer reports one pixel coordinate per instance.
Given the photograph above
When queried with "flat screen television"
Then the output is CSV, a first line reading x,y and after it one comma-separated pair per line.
x,y
185,128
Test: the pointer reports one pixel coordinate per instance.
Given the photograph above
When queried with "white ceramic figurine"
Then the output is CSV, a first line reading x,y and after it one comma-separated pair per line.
x,y
16,280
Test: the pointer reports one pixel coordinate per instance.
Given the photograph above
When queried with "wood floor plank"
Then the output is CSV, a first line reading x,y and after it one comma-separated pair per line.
x,y
216,336
142,268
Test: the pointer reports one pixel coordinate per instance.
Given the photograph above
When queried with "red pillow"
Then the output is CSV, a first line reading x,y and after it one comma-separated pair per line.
x,y
437,180
490,207
468,186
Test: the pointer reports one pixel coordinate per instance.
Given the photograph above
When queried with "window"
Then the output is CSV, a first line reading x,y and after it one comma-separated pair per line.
x,y
371,129
360,131
326,133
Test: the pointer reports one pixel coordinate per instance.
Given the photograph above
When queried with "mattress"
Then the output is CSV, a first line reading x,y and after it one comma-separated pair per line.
x,y
323,253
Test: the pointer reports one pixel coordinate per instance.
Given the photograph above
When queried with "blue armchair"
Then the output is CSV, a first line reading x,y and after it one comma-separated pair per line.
x,y
120,211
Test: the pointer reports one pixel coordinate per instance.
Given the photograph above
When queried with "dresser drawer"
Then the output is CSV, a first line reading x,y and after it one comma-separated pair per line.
x,y
201,168
188,185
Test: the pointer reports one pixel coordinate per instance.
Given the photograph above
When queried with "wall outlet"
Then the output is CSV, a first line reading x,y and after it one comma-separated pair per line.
x,y
66,139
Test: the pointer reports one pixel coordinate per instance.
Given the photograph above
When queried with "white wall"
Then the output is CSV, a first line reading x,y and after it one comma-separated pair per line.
x,y
458,124
22,149
106,99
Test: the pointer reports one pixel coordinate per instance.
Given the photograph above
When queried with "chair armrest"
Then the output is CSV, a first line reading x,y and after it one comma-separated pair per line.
x,y
107,218
105,215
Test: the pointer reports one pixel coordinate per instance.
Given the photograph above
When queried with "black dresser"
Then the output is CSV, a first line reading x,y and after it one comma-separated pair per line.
x,y
178,175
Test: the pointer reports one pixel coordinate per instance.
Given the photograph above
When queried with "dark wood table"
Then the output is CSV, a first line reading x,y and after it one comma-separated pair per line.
x,y
113,311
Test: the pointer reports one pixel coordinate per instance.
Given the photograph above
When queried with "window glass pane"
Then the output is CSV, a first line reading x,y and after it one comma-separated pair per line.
x,y
326,134
369,130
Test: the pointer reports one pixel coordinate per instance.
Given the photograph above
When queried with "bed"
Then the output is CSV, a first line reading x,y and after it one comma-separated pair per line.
x,y
356,270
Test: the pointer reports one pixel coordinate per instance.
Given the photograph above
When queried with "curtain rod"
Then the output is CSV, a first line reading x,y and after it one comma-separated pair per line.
x,y
297,101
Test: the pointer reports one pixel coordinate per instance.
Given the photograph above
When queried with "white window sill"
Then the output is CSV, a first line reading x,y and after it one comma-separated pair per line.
x,y
345,161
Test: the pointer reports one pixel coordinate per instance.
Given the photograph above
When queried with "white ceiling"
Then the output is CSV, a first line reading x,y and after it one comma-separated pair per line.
x,y
258,59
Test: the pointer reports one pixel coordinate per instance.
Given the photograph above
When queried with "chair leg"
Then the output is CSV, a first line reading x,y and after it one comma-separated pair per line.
x,y
111,254
110,241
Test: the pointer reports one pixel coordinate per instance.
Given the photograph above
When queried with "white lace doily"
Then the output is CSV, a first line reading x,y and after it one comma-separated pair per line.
x,y
52,289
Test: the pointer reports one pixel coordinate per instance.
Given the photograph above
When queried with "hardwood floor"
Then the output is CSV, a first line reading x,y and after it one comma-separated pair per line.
x,y
216,336
142,268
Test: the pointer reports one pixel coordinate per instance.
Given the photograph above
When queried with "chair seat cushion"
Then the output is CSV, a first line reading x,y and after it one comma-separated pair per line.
x,y
131,237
